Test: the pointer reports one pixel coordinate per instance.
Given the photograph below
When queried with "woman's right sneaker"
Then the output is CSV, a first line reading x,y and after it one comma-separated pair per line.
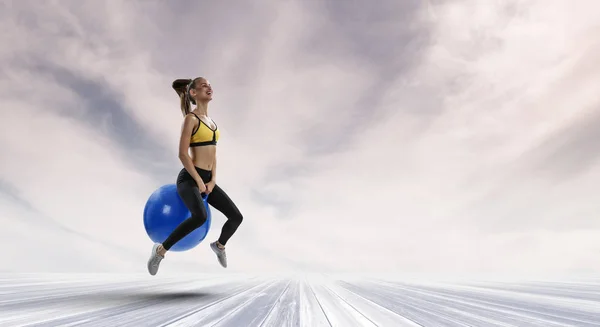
x,y
154,260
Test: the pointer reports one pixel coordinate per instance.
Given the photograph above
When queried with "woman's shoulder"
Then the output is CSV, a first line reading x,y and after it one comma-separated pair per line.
x,y
191,116
191,119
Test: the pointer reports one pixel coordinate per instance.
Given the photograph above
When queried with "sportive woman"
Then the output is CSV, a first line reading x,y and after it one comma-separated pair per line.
x,y
200,134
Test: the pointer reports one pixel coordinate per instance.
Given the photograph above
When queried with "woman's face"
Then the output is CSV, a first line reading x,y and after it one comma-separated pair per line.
x,y
202,91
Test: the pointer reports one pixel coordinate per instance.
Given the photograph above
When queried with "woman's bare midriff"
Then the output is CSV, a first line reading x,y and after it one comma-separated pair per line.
x,y
203,156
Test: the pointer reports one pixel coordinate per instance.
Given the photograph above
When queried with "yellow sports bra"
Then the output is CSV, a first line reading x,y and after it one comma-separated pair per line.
x,y
204,135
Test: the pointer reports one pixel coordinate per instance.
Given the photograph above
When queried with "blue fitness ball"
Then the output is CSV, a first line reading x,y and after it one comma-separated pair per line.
x,y
164,211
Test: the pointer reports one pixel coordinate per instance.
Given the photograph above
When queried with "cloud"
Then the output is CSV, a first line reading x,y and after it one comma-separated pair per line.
x,y
422,136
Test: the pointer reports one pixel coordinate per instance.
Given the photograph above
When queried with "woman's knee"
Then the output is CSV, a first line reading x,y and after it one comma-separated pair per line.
x,y
237,217
198,219
199,215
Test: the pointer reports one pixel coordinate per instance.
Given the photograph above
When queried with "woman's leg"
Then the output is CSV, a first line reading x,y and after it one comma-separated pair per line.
x,y
190,194
221,201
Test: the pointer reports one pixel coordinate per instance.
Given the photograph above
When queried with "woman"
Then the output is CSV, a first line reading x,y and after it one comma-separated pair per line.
x,y
200,133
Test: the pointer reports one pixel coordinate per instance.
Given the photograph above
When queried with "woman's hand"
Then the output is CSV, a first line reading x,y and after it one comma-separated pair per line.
x,y
209,187
201,186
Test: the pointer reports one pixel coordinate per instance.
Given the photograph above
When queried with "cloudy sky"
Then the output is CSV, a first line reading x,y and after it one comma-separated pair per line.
x,y
403,136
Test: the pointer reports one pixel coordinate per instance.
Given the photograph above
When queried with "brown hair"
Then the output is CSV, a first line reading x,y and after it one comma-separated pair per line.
x,y
182,87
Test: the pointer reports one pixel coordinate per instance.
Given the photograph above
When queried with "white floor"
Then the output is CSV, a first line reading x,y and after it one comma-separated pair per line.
x,y
241,301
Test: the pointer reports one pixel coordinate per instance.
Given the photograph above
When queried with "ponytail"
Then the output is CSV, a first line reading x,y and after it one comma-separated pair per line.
x,y
182,87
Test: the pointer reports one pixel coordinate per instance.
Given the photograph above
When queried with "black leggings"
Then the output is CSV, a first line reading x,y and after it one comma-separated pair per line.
x,y
190,194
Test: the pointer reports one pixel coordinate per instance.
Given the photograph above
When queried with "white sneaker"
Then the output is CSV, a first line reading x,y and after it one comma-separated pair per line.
x,y
154,260
221,255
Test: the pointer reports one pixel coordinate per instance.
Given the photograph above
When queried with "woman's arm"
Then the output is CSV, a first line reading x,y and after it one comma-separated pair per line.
x,y
184,143
214,171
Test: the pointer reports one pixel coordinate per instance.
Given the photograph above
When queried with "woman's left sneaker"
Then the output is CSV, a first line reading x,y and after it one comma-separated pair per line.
x,y
220,252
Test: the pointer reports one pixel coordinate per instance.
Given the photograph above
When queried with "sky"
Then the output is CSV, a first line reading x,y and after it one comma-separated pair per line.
x,y
398,137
